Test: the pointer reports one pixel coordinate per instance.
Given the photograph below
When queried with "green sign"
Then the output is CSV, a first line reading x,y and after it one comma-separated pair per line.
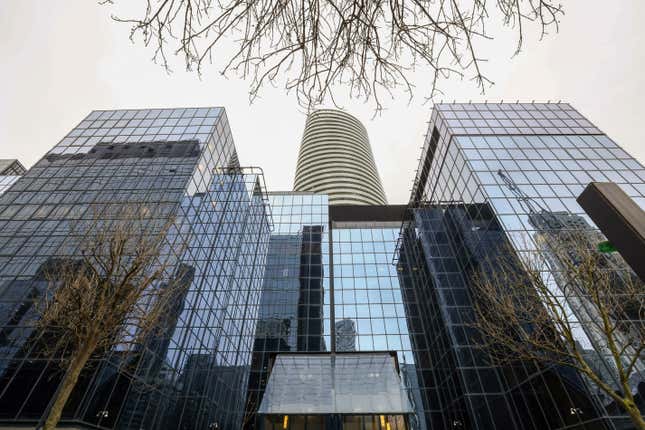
x,y
606,247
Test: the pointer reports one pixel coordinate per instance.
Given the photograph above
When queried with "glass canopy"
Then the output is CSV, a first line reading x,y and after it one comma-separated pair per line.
x,y
346,383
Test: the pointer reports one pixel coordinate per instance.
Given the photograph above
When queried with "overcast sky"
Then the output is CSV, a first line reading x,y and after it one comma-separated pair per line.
x,y
62,58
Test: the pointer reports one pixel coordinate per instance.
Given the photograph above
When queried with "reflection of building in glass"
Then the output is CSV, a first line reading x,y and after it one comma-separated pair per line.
x,y
362,305
136,410
168,161
278,314
455,240
286,274
345,335
201,404
491,175
311,297
294,308
563,237
17,310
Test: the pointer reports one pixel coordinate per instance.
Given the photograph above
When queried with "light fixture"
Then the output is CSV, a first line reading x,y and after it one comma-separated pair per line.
x,y
285,422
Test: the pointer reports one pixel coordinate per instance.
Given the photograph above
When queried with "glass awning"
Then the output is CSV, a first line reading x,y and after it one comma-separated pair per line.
x,y
347,383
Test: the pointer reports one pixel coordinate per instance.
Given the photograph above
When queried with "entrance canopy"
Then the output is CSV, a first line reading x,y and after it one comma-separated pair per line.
x,y
346,383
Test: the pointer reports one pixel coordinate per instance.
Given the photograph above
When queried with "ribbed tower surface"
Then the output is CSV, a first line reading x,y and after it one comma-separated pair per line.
x,y
336,159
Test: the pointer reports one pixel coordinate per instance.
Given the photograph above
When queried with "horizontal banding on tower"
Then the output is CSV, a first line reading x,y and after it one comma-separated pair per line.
x,y
336,159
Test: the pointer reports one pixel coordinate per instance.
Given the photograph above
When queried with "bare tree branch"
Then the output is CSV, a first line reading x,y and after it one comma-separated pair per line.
x,y
523,315
312,46
114,294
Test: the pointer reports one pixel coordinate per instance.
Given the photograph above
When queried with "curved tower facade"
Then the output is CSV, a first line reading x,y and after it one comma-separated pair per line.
x,y
336,159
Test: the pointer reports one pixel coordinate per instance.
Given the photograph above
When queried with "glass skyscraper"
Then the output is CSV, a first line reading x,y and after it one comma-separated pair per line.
x,y
285,286
174,163
493,175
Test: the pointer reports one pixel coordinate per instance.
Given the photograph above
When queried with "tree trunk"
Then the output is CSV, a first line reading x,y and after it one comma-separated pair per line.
x,y
67,385
635,415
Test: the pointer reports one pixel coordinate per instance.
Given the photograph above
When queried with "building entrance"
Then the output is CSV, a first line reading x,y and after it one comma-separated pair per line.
x,y
335,422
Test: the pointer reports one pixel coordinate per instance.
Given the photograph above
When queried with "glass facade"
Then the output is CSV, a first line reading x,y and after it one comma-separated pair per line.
x,y
491,175
322,384
10,171
360,306
294,314
11,167
276,275
368,299
174,163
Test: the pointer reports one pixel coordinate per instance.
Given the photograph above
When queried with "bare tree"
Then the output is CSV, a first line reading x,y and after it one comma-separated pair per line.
x,y
113,292
311,45
566,292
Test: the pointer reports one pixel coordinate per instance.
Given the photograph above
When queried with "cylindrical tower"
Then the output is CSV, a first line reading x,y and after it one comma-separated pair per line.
x,y
336,159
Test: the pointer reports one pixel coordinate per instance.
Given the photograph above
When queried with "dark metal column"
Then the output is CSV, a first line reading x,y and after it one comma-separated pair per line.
x,y
620,219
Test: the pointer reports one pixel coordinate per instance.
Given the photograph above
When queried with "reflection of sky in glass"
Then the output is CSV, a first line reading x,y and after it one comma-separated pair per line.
x,y
367,290
145,125
228,235
524,175
293,210
530,163
551,170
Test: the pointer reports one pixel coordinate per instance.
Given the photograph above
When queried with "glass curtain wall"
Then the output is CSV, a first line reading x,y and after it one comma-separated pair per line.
x,y
10,171
177,164
294,313
367,311
495,173
369,299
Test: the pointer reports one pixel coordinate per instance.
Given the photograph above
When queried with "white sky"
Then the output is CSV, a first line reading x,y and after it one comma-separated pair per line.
x,y
61,59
